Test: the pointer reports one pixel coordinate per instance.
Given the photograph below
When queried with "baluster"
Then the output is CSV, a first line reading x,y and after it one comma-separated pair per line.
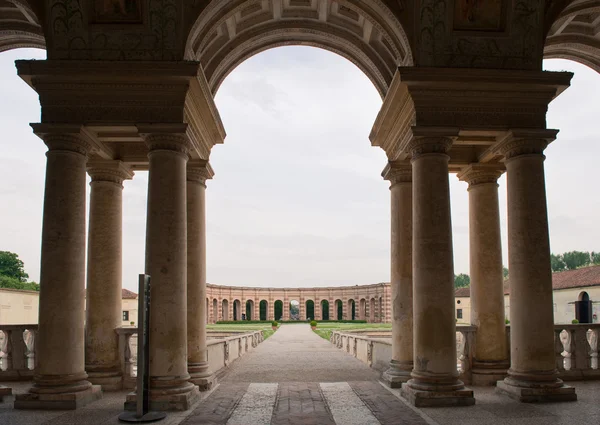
x,y
565,339
31,348
558,349
592,338
7,362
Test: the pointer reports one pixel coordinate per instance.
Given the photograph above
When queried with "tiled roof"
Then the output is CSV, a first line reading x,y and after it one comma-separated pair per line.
x,y
587,276
128,295
462,292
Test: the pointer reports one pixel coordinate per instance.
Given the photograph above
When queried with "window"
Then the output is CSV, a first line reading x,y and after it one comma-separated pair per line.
x,y
458,302
126,316
459,313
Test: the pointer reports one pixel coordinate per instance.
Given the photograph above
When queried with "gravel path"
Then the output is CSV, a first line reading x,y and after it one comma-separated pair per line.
x,y
296,354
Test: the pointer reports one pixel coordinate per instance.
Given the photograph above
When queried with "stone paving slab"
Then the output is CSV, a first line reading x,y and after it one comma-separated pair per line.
x,y
301,403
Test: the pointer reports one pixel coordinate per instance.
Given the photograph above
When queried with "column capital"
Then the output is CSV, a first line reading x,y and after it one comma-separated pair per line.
x,y
199,171
427,140
170,137
476,174
109,171
525,142
65,137
397,172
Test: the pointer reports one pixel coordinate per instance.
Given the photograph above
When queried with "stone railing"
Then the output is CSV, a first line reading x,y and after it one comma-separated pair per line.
x,y
221,352
17,352
576,350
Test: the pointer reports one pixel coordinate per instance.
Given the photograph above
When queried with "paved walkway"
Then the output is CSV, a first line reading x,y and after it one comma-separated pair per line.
x,y
295,378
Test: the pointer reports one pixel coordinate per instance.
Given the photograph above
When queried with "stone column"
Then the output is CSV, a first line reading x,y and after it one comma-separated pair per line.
x,y
197,352
332,310
60,380
104,273
400,176
434,376
532,375
487,289
166,263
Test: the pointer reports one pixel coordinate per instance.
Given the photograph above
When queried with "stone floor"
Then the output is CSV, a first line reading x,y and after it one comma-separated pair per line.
x,y
295,377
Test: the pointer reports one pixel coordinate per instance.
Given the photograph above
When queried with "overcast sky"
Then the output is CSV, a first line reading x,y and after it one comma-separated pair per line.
x,y
297,199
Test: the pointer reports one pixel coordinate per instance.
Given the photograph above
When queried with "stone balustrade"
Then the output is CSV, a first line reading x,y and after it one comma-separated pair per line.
x,y
17,352
576,349
221,352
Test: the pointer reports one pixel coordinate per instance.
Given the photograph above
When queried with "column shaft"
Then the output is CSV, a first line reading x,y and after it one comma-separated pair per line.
x,y
532,373
197,351
60,347
435,371
104,273
487,291
166,263
401,280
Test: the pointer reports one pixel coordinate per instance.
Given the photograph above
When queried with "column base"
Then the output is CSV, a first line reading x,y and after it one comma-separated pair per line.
x,y
58,401
4,391
204,383
109,381
536,393
486,374
421,398
397,374
163,400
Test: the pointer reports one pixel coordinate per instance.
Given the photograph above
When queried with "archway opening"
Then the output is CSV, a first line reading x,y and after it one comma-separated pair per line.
x,y
310,310
325,310
362,309
215,311
351,310
225,310
372,312
249,311
381,312
237,310
264,310
583,308
339,309
278,310
294,310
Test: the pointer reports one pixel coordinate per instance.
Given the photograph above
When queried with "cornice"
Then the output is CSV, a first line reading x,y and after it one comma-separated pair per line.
x,y
397,172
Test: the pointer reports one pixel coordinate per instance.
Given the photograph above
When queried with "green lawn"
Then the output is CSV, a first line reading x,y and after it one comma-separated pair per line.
x,y
324,329
266,329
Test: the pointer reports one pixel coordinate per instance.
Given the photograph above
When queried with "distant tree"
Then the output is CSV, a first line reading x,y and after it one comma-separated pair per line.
x,y
595,257
575,259
462,280
505,272
12,283
11,266
556,263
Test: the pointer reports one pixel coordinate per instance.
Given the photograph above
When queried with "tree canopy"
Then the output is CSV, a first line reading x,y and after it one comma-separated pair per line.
x,y
12,273
573,260
462,280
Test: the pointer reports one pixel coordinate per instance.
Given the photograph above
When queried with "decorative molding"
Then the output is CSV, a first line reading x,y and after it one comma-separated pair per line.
x,y
109,171
199,171
476,174
397,172
171,142
424,145
525,142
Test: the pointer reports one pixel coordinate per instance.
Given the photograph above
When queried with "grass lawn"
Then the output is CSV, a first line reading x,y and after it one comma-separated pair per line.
x,y
266,329
324,329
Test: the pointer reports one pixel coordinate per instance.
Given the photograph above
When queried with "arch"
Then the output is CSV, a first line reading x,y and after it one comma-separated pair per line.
x,y
250,310
294,307
573,33
20,26
215,311
225,310
278,310
362,309
583,308
366,32
372,310
351,310
382,317
339,310
324,310
310,310
237,310
264,310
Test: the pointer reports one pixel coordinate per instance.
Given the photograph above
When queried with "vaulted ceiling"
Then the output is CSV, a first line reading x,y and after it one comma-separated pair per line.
x,y
19,26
